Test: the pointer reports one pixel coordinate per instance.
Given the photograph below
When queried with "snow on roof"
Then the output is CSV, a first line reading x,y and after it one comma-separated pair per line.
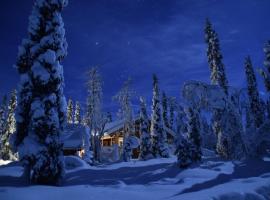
x,y
72,137
112,127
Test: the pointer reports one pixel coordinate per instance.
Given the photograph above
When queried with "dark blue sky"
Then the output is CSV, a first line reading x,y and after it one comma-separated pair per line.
x,y
137,38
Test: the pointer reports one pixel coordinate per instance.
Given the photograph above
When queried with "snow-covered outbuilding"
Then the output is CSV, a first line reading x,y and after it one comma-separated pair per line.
x,y
72,139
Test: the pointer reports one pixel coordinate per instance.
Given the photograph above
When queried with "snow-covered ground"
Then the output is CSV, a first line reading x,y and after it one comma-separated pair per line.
x,y
156,179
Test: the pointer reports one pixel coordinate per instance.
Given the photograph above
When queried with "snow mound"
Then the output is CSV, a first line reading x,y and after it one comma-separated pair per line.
x,y
75,163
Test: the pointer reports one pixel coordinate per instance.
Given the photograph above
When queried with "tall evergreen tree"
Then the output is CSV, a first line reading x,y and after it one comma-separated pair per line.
x,y
124,97
159,136
217,69
70,111
266,72
253,95
145,140
194,135
3,113
172,107
77,116
165,109
10,128
41,103
94,116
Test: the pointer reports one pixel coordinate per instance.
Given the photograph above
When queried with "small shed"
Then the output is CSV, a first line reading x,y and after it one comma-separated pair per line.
x,y
72,139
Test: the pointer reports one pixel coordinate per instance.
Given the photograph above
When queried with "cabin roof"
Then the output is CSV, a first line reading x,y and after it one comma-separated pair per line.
x,y
72,136
112,127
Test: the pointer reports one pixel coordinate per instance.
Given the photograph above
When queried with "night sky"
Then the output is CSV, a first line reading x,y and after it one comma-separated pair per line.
x,y
128,38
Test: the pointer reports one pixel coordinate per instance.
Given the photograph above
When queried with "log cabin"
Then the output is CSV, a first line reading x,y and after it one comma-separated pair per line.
x,y
113,136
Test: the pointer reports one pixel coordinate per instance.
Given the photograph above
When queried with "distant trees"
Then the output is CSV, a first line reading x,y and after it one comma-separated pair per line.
x,y
41,111
159,136
124,97
70,115
77,116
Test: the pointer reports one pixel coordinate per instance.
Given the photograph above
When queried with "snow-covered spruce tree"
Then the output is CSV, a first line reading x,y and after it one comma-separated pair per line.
x,y
77,115
124,97
266,72
70,111
158,134
94,116
183,152
10,128
193,133
172,107
217,69
41,103
165,110
145,140
3,113
256,112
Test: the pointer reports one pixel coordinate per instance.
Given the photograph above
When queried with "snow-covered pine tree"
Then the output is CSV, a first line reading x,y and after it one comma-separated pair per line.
x,y
172,107
165,109
3,113
217,69
124,97
41,112
257,115
70,111
193,133
158,134
94,117
10,128
266,72
77,115
183,151
145,140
